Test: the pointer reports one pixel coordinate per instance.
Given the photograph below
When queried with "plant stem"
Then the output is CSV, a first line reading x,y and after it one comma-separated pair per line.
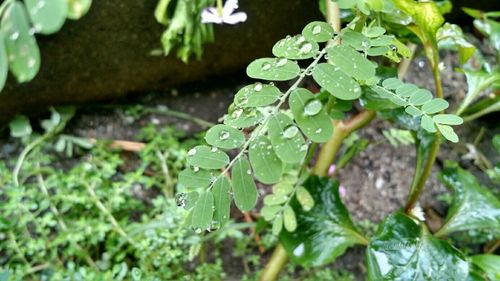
x,y
219,8
275,264
417,189
342,130
169,187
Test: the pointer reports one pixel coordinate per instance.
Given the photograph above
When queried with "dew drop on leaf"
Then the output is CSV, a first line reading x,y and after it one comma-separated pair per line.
x,y
192,152
281,62
266,66
312,108
224,135
257,87
290,132
316,29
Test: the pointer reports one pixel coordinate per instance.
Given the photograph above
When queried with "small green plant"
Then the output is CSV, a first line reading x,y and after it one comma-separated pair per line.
x,y
20,21
276,134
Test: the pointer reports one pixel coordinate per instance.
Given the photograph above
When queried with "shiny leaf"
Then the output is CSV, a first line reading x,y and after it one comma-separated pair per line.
x,y
296,48
205,157
287,141
243,117
191,179
202,214
318,31
473,206
222,200
310,117
336,82
490,264
352,62
274,69
78,8
404,250
324,232
256,95
225,137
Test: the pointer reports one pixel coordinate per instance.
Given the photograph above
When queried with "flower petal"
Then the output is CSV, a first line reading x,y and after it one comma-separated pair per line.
x,y
209,15
229,8
235,18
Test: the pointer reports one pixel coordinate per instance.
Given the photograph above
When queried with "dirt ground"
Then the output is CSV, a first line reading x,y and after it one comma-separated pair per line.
x,y
376,181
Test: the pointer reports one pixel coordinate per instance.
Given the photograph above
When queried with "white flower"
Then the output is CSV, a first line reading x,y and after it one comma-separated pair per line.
x,y
211,15
418,213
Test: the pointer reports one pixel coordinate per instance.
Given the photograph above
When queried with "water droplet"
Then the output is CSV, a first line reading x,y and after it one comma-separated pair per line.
x,y
257,87
196,169
249,172
300,39
316,29
299,251
281,62
237,113
318,130
393,48
198,230
290,132
31,62
14,36
303,147
180,199
223,135
192,152
214,149
306,48
313,107
266,66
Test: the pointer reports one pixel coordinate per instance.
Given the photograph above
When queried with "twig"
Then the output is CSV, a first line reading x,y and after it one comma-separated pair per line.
x,y
169,188
248,219
123,145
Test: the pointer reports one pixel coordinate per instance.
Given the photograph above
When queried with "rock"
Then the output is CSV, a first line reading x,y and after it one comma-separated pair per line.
x,y
106,54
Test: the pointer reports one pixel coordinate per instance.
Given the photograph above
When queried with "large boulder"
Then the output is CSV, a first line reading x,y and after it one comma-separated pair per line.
x,y
106,54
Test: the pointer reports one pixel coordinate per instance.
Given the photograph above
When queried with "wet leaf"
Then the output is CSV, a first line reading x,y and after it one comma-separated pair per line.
x,y
450,36
78,8
473,206
222,200
324,232
191,179
304,198
203,212
426,15
270,212
206,157
289,219
274,69
310,117
318,31
243,117
352,62
403,250
225,137
339,84
287,141
296,48
275,199
355,39
22,50
266,165
256,95
244,189
48,16
4,64
490,264
277,225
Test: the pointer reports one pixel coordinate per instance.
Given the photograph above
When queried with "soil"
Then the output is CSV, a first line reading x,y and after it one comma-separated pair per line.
x,y
376,181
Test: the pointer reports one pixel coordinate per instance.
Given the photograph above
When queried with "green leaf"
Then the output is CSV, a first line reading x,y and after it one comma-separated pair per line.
x,y
374,31
289,219
256,95
428,124
324,232
270,212
477,82
473,206
392,83
277,225
4,64
244,189
191,179
304,198
435,106
490,264
20,127
420,96
275,199
266,165
448,132
222,200
355,39
22,49
339,84
78,8
352,62
203,212
318,31
243,117
295,48
447,119
225,137
403,250
450,36
274,69
47,16
496,142
426,15
206,157
286,139
310,117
